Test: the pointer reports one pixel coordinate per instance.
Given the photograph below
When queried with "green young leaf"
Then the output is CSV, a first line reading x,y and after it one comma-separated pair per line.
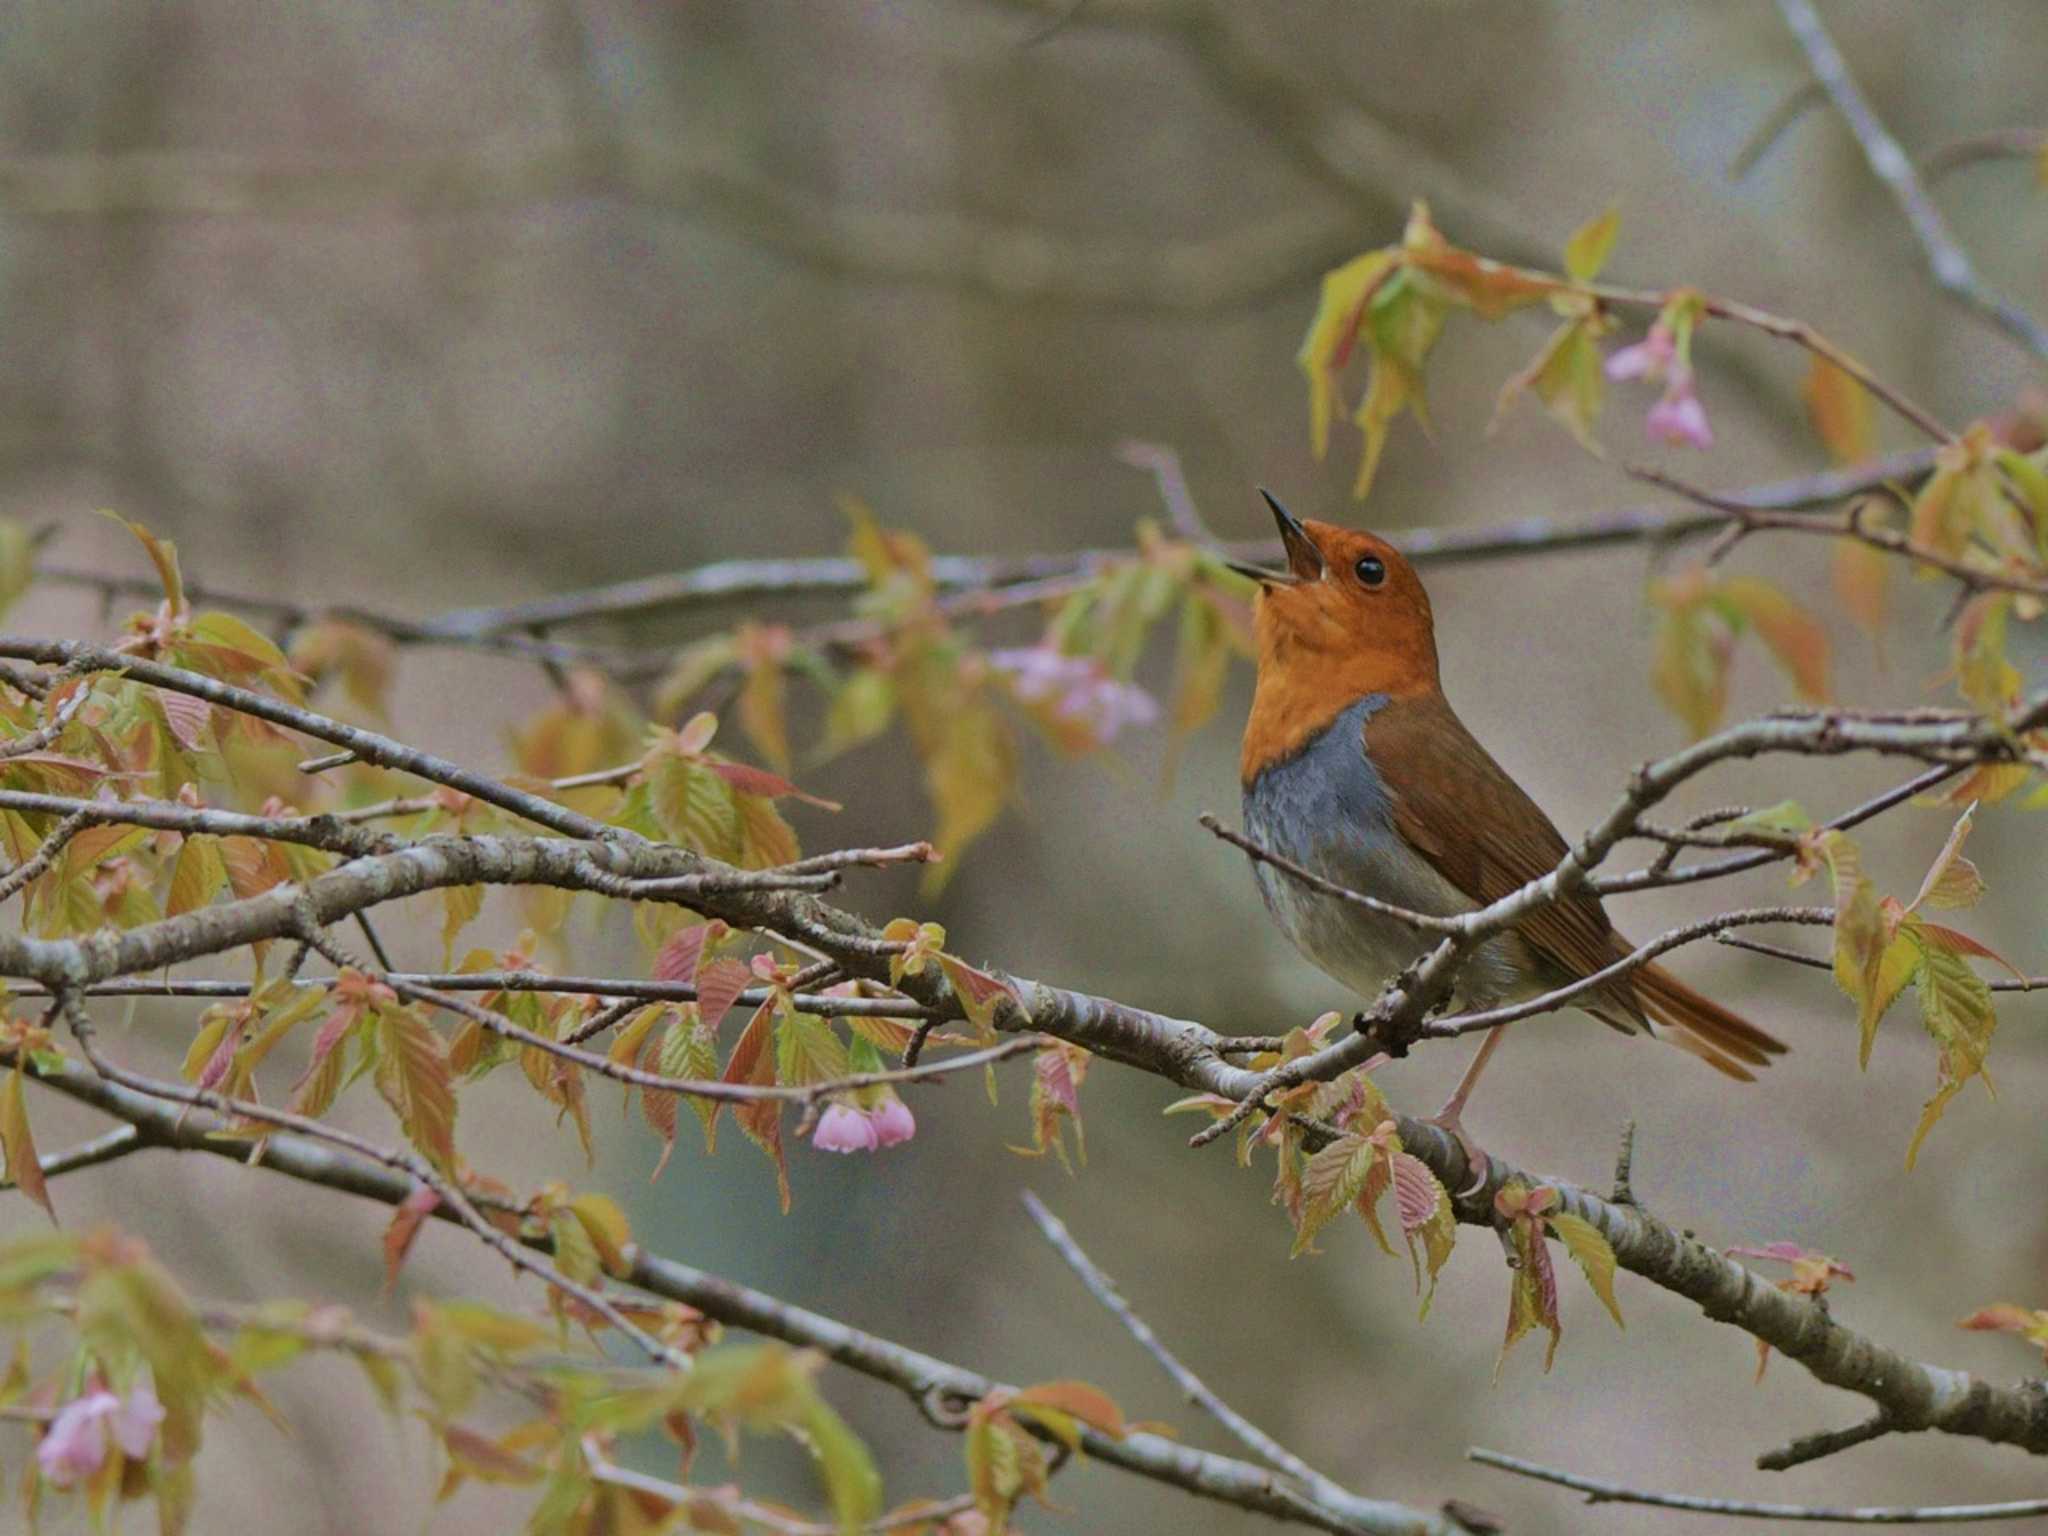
x,y
1787,819
1591,1251
1333,1178
1955,1006
197,875
163,554
1952,881
1591,244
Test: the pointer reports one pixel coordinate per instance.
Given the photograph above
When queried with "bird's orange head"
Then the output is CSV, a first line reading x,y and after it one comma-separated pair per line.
x,y
1346,619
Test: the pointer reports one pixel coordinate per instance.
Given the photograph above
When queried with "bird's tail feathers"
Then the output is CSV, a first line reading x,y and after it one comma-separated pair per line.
x,y
1723,1040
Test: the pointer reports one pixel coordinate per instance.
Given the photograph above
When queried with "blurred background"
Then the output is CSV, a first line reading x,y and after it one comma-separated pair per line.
x,y
420,307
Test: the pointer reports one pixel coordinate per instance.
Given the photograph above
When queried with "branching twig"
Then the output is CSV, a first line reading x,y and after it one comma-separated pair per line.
x,y
1951,267
1600,1491
1197,1393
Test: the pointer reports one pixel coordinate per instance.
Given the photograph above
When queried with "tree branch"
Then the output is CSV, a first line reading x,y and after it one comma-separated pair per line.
x,y
1952,269
1600,1491
923,1378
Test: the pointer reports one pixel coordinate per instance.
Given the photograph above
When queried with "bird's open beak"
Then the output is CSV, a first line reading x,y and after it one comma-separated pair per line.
x,y
1304,560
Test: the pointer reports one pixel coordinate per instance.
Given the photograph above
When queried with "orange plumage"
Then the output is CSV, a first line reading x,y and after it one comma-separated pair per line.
x,y
1355,766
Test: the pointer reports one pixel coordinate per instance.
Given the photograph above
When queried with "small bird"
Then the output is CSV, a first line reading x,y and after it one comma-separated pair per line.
x,y
1355,767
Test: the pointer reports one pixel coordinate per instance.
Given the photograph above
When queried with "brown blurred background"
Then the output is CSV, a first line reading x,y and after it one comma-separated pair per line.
x,y
422,306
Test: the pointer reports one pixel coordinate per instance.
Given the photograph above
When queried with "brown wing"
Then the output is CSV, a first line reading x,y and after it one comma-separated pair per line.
x,y
1459,809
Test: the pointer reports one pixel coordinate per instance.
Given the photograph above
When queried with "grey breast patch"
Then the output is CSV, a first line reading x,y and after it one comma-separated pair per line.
x,y
1328,809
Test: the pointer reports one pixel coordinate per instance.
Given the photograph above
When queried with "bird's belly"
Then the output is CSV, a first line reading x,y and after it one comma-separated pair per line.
x,y
1327,810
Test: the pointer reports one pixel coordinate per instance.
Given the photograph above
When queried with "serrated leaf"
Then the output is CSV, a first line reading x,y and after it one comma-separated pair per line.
x,y
719,984
1955,1006
609,1231
406,1220
1330,1181
197,875
416,1081
460,905
807,1050
1952,881
163,554
19,1144
695,807
1590,1250
753,1061
980,995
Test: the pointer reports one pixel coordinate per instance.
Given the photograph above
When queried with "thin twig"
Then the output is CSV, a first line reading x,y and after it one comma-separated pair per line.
x,y
1192,1387
452,1194
1951,267
1599,1491
2000,144
104,1148
1423,922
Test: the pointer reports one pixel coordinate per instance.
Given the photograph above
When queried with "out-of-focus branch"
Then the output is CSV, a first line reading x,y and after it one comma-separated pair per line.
x,y
1600,1491
1012,262
2004,144
629,988
1953,272
1520,538
1852,524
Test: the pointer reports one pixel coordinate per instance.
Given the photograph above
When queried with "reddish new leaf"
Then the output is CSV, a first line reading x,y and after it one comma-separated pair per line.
x,y
404,1226
19,1145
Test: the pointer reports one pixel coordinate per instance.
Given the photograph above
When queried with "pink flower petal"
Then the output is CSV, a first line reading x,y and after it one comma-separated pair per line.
x,y
842,1128
135,1422
893,1122
1680,418
1647,359
75,1444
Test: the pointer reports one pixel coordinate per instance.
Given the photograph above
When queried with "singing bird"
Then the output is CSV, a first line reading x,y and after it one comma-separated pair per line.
x,y
1355,767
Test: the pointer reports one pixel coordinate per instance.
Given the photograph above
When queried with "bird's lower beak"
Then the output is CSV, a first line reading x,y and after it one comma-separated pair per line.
x,y
1304,560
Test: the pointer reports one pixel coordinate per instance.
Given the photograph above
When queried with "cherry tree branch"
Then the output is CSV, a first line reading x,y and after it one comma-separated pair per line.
x,y
1953,272
1600,1491
1192,1388
940,1389
729,580
1909,1395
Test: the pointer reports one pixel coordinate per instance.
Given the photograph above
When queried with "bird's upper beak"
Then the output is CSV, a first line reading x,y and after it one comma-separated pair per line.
x,y
1304,560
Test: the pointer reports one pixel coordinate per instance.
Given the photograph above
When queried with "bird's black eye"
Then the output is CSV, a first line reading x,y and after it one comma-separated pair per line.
x,y
1370,570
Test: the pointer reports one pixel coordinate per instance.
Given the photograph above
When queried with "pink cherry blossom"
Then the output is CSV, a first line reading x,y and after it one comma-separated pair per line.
x,y
135,1422
842,1128
75,1444
893,1122
1079,688
1679,417
74,1447
1647,359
